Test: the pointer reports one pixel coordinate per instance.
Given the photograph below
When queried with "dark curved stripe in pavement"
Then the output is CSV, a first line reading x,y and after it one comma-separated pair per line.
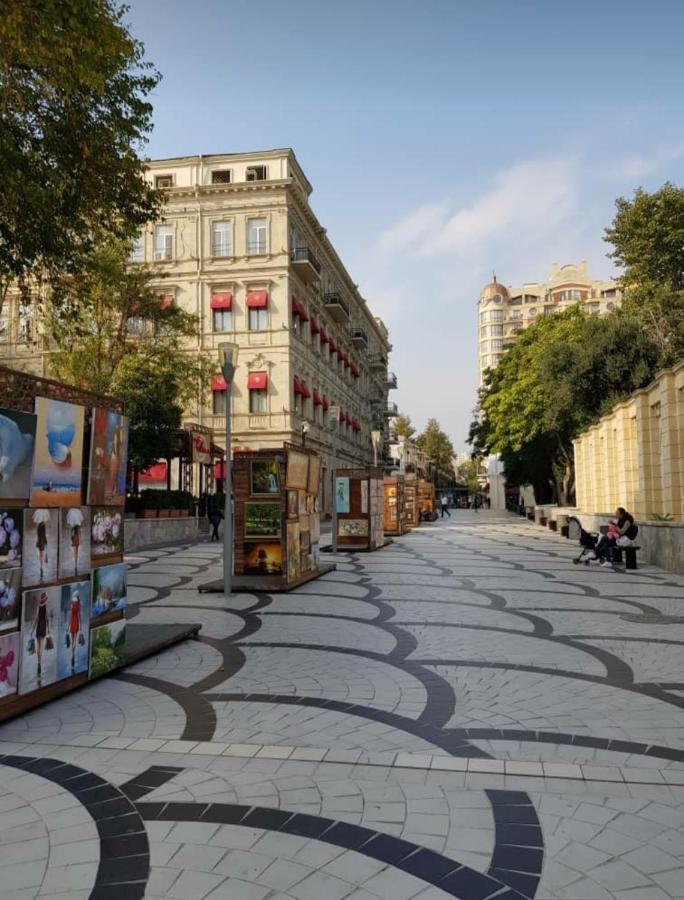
x,y
200,715
433,868
454,743
518,854
124,865
149,780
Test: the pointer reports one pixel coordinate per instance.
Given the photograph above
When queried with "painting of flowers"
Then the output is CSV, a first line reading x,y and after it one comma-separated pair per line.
x,y
10,598
11,538
106,534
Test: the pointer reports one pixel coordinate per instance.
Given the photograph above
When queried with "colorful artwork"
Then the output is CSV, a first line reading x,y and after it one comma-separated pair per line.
x,y
364,496
109,590
39,636
265,476
9,664
292,551
17,440
11,537
262,519
74,542
263,559
73,648
342,495
314,474
107,648
297,470
58,459
10,598
292,504
41,540
108,458
106,534
315,527
352,527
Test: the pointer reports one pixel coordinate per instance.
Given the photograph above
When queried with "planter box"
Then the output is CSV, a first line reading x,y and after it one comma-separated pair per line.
x,y
149,513
164,513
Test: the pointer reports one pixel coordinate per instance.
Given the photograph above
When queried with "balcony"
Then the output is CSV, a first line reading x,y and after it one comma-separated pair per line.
x,y
360,339
392,410
338,308
391,383
378,361
305,264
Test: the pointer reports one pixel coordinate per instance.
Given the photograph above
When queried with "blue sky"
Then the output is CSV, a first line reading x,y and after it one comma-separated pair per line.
x,y
443,140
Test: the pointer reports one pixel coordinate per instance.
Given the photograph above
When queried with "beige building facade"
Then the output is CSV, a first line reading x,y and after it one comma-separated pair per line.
x,y
634,457
241,248
503,312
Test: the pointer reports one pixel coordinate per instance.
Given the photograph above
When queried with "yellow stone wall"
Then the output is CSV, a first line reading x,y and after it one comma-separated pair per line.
x,y
634,457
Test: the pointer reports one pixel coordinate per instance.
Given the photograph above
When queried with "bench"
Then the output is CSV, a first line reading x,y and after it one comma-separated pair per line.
x,y
630,556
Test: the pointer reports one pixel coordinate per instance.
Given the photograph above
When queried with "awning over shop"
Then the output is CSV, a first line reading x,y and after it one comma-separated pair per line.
x,y
218,383
222,300
257,299
257,381
156,473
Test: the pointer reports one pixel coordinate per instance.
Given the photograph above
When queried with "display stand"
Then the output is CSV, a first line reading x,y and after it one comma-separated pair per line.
x,y
411,509
394,520
359,499
427,510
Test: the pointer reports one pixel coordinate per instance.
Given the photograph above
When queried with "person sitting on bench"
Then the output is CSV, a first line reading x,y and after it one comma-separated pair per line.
x,y
623,527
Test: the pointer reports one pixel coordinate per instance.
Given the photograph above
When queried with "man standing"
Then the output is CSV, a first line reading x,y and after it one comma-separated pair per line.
x,y
445,505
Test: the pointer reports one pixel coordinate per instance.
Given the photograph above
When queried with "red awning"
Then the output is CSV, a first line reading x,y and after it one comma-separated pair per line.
x,y
257,381
315,327
297,387
220,469
354,371
326,404
156,472
342,415
302,314
222,300
218,383
305,391
324,336
333,345
257,299
166,302
317,401
296,308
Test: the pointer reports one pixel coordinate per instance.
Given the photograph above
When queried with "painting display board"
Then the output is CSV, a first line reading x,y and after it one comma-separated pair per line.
x,y
426,500
411,511
394,513
62,578
277,524
359,499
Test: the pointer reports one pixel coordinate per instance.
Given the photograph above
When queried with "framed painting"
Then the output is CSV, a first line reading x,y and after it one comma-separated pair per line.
x,y
10,598
292,551
106,534
352,527
314,474
109,590
9,664
342,494
107,648
11,537
297,470
74,542
292,504
262,519
39,638
108,458
263,558
58,459
73,646
264,477
41,546
17,440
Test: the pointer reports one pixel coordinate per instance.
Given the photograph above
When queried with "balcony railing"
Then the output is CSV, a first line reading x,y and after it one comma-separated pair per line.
x,y
391,381
257,248
392,410
306,264
378,361
359,338
337,306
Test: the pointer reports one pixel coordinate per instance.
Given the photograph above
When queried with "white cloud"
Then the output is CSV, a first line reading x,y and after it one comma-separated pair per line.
x,y
641,166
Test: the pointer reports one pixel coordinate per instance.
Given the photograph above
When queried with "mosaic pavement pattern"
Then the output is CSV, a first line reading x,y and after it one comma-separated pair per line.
x,y
462,714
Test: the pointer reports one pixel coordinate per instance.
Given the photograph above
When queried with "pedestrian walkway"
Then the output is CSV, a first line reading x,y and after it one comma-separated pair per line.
x,y
463,714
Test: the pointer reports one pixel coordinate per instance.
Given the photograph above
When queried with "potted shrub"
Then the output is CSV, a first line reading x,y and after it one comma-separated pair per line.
x,y
184,501
164,504
149,504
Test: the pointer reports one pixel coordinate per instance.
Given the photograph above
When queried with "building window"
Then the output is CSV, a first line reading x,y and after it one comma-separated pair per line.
x,y
221,176
258,401
222,320
497,346
135,325
496,315
257,237
256,173
610,306
594,308
218,403
549,309
221,239
163,242
4,323
611,292
258,319
516,301
137,254
483,317
163,181
496,330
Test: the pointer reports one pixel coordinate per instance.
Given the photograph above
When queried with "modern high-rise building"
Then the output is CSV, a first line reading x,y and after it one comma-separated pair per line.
x,y
240,247
505,311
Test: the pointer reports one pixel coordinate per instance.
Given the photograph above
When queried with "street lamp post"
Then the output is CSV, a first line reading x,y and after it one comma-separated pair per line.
x,y
228,356
376,437
333,425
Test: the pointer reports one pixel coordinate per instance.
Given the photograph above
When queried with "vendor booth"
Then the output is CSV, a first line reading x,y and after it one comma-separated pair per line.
x,y
394,513
359,504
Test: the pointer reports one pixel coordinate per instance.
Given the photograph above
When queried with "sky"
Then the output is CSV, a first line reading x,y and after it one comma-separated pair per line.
x,y
444,140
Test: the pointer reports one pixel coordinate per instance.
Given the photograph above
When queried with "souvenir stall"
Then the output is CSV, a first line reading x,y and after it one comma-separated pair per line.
x,y
394,522
277,518
62,576
411,511
427,509
359,502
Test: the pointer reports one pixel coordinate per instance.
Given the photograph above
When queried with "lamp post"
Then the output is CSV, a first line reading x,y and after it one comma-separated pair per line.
x,y
376,437
228,357
333,425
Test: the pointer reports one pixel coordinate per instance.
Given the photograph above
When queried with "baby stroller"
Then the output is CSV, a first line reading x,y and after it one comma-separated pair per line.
x,y
587,541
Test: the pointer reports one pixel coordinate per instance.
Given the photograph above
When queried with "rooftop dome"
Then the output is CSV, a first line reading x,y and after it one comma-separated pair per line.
x,y
494,291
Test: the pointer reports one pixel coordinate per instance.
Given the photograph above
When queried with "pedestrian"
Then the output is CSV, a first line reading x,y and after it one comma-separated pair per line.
x,y
445,505
215,516
621,531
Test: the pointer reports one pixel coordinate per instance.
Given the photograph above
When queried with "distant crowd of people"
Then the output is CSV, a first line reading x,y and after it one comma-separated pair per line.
x,y
461,501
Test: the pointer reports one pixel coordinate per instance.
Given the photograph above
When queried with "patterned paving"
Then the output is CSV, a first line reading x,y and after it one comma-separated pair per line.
x,y
462,714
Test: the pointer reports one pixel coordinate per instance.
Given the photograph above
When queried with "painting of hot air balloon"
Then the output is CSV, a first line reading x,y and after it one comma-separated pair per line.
x,y
58,459
17,438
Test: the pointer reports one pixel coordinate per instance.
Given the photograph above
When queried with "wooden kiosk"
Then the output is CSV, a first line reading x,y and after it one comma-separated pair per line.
x,y
277,518
411,509
359,501
394,513
427,510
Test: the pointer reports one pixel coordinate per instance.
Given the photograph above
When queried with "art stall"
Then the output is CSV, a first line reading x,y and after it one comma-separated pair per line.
x,y
411,510
427,507
277,518
359,502
63,459
394,513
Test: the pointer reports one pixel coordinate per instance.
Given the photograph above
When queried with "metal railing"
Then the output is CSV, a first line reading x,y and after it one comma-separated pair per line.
x,y
335,299
304,254
257,248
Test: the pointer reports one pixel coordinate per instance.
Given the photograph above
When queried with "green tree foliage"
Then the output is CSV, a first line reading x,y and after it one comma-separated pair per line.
x,y
647,236
467,473
438,448
560,376
403,427
73,115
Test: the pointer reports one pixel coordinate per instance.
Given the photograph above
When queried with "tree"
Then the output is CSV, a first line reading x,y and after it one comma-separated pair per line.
x,y
560,376
467,473
403,427
438,448
647,235
73,114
